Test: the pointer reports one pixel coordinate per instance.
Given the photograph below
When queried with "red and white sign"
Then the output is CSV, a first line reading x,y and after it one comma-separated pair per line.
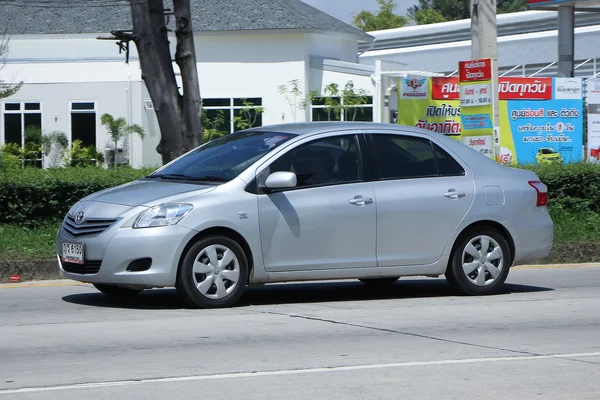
x,y
444,89
482,144
525,89
475,70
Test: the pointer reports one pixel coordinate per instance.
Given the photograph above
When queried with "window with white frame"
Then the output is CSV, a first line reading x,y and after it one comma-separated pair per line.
x,y
337,109
83,122
229,115
18,116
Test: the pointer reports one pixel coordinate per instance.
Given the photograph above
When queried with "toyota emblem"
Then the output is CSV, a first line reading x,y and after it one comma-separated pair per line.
x,y
79,217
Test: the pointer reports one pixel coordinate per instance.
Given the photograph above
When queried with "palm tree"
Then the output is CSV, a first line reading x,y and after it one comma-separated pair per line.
x,y
118,129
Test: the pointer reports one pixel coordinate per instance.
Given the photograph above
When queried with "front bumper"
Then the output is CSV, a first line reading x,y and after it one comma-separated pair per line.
x,y
116,248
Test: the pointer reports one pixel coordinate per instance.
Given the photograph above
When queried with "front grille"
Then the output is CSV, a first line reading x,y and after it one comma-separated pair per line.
x,y
87,227
89,267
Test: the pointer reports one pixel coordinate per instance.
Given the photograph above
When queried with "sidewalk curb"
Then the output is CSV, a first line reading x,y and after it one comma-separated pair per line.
x,y
29,270
42,270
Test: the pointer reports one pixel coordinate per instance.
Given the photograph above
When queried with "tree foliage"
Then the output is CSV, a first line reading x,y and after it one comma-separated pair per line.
x,y
434,11
6,89
118,129
385,18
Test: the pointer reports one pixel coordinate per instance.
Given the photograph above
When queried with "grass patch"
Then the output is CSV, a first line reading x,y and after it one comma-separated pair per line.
x,y
576,239
21,243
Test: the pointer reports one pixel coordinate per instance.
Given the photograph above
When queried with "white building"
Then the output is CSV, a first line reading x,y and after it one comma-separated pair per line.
x,y
245,50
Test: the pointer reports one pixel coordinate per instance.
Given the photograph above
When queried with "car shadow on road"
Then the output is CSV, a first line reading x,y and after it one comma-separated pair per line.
x,y
301,293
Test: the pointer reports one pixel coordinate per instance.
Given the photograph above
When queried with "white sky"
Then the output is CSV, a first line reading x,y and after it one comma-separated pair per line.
x,y
344,9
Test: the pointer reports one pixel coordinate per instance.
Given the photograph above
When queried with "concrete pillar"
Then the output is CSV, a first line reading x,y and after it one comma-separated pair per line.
x,y
566,41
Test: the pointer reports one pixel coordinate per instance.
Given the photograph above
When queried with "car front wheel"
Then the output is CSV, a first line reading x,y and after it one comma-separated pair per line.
x,y
480,263
214,273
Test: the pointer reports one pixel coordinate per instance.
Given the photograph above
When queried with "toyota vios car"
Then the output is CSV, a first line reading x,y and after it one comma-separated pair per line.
x,y
309,201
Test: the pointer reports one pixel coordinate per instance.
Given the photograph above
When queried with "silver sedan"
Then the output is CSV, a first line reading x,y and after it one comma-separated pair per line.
x,y
311,201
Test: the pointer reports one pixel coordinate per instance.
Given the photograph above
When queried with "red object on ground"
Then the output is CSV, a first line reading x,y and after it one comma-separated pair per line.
x,y
15,278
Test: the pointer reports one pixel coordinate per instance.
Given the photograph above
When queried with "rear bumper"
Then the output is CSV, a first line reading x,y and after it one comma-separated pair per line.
x,y
532,236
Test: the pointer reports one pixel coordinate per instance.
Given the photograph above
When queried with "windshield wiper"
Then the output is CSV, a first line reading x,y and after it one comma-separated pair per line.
x,y
182,177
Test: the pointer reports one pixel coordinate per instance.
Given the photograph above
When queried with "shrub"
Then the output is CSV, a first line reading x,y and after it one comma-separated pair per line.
x,y
571,187
32,196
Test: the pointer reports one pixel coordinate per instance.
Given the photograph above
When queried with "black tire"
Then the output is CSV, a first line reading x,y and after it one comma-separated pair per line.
x,y
117,291
186,287
379,282
458,278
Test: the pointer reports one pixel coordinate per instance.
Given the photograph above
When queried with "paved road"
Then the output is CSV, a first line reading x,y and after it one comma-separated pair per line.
x,y
538,339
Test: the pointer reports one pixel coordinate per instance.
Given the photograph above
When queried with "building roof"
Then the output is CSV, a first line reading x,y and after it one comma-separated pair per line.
x,y
104,16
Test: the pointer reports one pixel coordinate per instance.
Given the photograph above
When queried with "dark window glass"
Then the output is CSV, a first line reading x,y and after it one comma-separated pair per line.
x,y
83,127
216,102
404,157
217,121
12,106
323,114
363,114
34,119
223,159
322,162
82,106
12,128
247,119
447,166
256,101
32,106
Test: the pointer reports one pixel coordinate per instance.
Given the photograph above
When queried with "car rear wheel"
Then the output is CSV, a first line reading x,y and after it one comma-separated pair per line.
x,y
379,281
480,262
113,290
214,273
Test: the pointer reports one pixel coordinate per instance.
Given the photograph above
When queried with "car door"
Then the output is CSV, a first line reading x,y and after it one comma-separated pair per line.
x,y
422,194
328,221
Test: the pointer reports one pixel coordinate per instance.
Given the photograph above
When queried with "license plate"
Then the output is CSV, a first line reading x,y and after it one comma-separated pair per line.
x,y
72,253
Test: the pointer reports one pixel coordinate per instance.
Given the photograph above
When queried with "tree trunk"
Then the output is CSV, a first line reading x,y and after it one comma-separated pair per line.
x,y
152,43
185,57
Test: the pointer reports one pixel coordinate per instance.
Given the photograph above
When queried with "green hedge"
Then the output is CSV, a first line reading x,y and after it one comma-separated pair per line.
x,y
32,196
571,187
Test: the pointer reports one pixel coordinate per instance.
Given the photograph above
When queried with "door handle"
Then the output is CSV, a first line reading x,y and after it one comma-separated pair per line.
x,y
359,200
453,194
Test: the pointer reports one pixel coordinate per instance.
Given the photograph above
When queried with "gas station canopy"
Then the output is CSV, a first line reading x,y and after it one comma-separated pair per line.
x,y
576,5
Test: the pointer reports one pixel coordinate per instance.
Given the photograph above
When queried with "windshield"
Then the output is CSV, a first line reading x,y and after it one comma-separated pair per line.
x,y
549,151
223,159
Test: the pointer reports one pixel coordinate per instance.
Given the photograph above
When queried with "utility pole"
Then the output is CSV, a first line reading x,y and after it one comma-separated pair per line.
x,y
484,36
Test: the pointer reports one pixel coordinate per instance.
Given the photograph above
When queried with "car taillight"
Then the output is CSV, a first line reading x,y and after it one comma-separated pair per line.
x,y
542,193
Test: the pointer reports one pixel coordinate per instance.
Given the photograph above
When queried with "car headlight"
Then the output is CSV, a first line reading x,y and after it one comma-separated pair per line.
x,y
162,215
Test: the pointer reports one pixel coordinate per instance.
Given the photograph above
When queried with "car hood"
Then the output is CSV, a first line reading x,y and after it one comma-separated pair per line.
x,y
146,192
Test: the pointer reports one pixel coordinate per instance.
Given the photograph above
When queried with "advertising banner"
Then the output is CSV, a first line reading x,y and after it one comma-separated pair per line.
x,y
593,120
475,88
541,119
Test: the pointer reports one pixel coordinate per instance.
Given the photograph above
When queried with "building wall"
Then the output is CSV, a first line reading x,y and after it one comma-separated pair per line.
x,y
58,69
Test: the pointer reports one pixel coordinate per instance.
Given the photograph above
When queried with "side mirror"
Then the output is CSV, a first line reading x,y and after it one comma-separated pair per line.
x,y
280,180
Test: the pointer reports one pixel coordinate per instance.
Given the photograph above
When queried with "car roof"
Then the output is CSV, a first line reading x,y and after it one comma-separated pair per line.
x,y
302,128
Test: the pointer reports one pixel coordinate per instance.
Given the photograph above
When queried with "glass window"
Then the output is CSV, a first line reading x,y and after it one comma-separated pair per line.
x,y
83,128
322,162
32,106
12,129
404,157
223,159
12,106
447,166
82,106
216,102
256,101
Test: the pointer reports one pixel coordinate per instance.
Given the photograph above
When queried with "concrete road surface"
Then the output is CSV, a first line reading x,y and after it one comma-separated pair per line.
x,y
539,339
